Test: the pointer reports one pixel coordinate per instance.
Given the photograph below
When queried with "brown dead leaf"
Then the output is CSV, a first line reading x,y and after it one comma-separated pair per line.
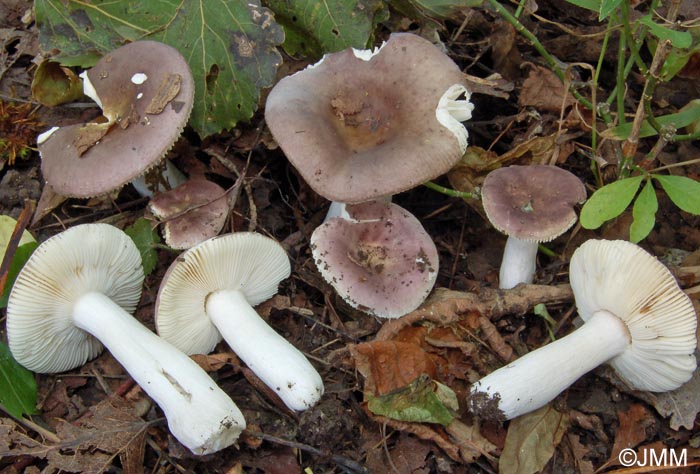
x,y
632,431
504,51
168,89
531,441
389,365
215,361
48,201
579,452
544,91
683,404
89,135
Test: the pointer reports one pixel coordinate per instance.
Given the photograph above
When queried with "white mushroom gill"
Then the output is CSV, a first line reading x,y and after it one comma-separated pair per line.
x,y
42,137
89,89
367,54
454,108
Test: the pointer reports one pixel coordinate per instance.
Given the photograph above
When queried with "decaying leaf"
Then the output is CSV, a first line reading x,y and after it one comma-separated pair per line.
x,y
683,404
632,431
544,91
167,91
531,441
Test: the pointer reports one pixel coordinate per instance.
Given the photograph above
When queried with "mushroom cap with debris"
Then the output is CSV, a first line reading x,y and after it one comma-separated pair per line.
x,y
359,125
146,92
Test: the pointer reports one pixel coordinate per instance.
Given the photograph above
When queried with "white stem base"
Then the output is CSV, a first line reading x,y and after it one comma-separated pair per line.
x,y
535,379
518,264
200,415
279,364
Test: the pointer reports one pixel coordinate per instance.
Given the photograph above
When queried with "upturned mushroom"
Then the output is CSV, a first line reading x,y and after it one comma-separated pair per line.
x,y
637,319
530,204
377,256
146,92
209,292
359,125
73,297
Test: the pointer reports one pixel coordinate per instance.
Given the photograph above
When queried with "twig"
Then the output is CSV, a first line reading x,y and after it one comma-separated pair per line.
x,y
13,244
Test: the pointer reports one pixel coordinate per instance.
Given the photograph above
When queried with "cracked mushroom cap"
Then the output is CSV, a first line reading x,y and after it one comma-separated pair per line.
x,y
85,258
359,125
533,203
193,212
245,261
146,93
380,260
621,278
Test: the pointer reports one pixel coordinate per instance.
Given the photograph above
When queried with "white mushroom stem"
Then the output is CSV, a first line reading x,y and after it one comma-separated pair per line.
x,y
518,264
279,364
200,415
538,377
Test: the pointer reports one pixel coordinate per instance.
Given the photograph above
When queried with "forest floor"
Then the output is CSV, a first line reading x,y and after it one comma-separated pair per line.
x,y
473,330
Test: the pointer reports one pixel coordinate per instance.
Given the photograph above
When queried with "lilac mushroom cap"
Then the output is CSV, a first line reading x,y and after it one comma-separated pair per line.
x,y
359,125
193,212
379,258
146,92
530,204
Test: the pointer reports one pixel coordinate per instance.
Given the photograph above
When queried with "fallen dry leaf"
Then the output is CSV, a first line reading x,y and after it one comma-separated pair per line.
x,y
683,404
531,441
632,431
544,91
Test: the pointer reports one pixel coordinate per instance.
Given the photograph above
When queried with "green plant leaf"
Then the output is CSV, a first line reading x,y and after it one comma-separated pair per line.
x,y
315,27
609,202
683,191
689,114
230,46
421,401
679,39
593,5
146,238
21,256
607,7
531,441
644,213
17,385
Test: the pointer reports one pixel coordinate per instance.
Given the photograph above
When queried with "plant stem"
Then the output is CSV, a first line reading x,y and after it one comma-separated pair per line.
x,y
450,192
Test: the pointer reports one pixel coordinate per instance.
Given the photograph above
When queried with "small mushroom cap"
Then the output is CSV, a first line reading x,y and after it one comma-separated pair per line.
x,y
146,92
621,278
244,261
361,126
381,260
533,203
83,259
201,208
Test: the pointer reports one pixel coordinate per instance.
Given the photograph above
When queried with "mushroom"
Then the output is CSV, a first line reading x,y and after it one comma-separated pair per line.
x,y
146,92
74,295
209,292
530,204
377,256
359,125
637,319
192,212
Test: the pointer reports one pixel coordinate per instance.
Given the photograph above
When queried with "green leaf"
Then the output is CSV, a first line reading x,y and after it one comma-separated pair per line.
x,y
683,191
531,441
435,9
644,213
607,7
422,401
54,84
689,114
679,39
17,385
21,256
609,202
230,46
146,238
593,5
316,27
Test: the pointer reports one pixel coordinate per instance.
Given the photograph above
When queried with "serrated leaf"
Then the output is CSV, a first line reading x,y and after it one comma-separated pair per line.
x,y
609,202
315,27
689,114
531,441
231,46
21,256
145,238
418,402
679,39
644,213
683,191
17,385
